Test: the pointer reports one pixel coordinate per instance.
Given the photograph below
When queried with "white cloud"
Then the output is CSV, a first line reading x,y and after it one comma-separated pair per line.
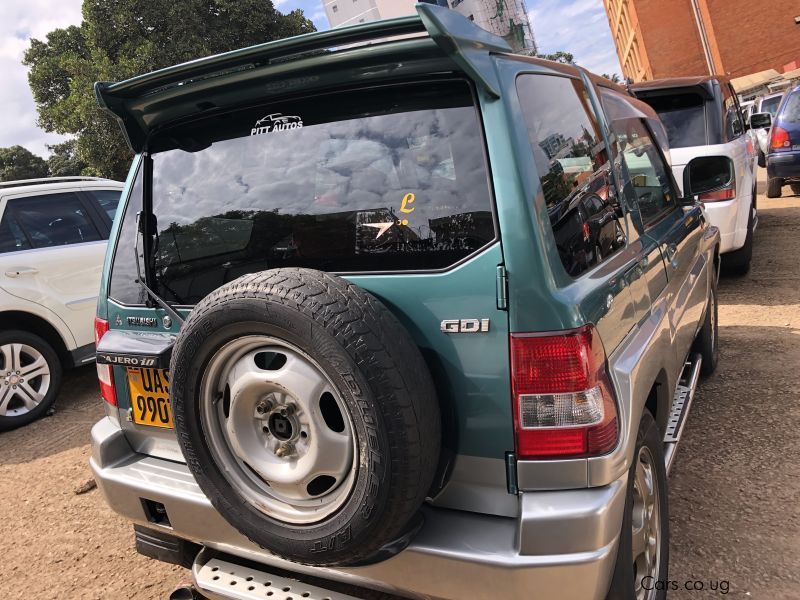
x,y
19,21
576,26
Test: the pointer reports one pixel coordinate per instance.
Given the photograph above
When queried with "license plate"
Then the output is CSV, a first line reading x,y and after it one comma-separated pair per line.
x,y
150,397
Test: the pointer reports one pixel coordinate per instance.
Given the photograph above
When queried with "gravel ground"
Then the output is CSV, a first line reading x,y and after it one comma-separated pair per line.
x,y
735,518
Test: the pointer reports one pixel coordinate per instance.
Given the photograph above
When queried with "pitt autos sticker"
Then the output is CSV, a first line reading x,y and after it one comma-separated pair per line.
x,y
276,122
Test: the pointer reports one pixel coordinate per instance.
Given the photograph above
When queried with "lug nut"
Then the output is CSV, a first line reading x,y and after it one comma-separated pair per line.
x,y
284,450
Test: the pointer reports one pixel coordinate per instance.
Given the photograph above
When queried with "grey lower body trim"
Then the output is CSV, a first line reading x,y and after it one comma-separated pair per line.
x,y
548,551
83,355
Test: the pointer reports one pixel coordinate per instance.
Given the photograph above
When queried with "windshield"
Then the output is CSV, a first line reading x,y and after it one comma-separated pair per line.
x,y
770,105
684,117
350,183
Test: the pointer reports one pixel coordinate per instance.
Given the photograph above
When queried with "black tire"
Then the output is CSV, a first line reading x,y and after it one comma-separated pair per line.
x,y
762,160
625,575
8,422
378,371
738,262
796,189
707,342
774,186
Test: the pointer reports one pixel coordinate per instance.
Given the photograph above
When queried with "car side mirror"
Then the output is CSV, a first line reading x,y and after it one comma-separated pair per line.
x,y
761,121
706,174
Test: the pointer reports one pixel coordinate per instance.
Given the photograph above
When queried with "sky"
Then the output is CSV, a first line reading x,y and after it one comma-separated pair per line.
x,y
577,26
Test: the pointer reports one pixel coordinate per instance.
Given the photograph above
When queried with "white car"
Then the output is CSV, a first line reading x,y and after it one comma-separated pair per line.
x,y
703,118
53,235
765,104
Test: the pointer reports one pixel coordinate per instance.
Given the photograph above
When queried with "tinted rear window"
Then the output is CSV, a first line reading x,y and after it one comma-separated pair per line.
x,y
684,116
770,105
791,110
392,179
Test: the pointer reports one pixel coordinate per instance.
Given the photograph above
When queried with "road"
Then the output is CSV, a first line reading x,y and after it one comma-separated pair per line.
x,y
734,488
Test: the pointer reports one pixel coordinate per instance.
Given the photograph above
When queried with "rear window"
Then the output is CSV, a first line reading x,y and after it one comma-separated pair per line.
x,y
380,181
770,105
684,117
791,110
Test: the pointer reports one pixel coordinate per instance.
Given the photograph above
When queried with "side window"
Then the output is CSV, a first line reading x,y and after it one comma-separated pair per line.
x,y
12,239
574,169
108,200
53,220
733,117
649,175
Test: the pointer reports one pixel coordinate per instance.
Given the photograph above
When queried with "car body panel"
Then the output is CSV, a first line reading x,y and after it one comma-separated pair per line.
x,y
785,162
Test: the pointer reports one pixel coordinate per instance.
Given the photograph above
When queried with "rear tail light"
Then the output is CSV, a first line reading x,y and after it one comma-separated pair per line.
x,y
105,374
780,139
564,405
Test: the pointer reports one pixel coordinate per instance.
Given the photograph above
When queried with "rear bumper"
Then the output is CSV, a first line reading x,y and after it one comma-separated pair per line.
x,y
563,545
785,165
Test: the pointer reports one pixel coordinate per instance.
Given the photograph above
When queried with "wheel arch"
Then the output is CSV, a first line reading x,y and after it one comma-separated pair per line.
x,y
25,321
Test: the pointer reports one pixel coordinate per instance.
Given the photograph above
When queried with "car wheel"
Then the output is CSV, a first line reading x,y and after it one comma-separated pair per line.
x,y
643,549
762,160
738,262
796,189
30,375
707,342
774,186
307,415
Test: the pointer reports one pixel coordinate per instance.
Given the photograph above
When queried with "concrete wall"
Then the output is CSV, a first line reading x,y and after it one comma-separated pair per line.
x,y
351,12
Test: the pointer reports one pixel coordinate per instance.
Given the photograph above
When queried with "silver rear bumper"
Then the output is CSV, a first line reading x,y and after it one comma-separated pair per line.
x,y
562,546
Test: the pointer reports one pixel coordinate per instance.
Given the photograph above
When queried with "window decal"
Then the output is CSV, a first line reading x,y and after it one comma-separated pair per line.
x,y
276,122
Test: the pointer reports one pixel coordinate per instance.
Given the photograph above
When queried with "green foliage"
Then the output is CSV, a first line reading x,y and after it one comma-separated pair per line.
x,y
118,39
17,162
64,160
614,77
562,57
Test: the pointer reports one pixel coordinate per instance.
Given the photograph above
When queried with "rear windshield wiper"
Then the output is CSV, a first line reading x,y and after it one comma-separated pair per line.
x,y
140,233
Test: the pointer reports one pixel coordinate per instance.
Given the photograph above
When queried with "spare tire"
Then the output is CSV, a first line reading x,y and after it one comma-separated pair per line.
x,y
307,415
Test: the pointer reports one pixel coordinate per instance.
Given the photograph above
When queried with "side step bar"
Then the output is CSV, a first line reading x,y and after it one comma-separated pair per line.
x,y
219,579
681,404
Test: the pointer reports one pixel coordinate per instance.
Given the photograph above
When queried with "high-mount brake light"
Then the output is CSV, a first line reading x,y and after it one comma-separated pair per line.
x,y
105,373
563,400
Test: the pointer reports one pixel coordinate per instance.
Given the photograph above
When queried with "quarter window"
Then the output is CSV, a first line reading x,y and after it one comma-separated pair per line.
x,y
53,220
108,201
574,170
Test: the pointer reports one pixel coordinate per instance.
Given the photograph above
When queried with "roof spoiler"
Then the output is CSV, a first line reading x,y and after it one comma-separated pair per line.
x,y
461,40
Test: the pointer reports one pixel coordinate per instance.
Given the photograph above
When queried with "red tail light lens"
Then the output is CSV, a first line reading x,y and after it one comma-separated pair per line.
x,y
563,401
780,139
726,194
105,374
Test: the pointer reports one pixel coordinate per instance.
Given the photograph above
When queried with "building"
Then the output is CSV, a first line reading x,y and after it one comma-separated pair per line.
x,y
672,38
507,18
351,12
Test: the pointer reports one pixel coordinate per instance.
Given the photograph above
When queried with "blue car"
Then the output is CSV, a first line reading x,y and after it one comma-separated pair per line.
x,y
783,159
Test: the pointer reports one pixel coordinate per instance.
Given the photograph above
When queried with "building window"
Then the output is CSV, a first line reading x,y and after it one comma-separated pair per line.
x,y
335,8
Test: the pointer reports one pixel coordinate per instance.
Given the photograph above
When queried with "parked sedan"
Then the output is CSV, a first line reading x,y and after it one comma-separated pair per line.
x,y
783,158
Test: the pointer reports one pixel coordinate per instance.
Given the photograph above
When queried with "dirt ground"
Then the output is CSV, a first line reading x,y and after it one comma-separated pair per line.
x,y
734,488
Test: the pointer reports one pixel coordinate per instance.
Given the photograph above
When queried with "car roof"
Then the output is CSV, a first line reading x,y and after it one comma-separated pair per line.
x,y
679,82
45,184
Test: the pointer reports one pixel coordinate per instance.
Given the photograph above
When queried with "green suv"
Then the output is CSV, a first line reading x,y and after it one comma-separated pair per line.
x,y
390,309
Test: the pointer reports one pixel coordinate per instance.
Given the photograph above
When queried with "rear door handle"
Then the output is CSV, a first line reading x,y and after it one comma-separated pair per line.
x,y
670,251
21,271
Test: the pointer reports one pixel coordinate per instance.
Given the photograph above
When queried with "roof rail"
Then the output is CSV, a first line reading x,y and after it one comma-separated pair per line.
x,y
41,180
133,100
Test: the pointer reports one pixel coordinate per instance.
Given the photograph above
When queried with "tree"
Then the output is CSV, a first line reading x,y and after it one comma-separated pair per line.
x,y
64,160
562,57
614,77
118,39
17,162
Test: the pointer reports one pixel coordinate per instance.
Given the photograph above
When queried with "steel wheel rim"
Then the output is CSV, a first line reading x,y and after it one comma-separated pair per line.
x,y
646,526
269,434
24,379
